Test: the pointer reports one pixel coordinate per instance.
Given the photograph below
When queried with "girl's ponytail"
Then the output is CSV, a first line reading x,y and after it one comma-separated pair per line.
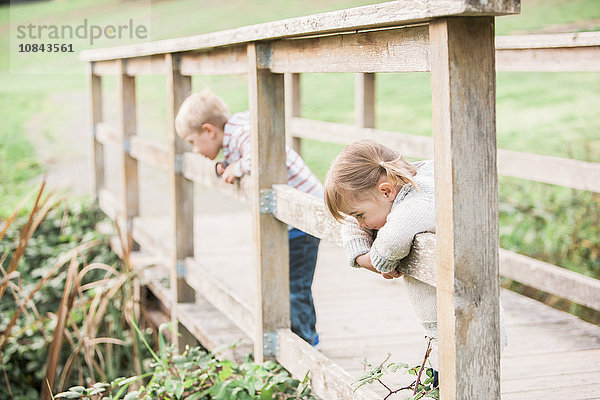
x,y
399,172
358,169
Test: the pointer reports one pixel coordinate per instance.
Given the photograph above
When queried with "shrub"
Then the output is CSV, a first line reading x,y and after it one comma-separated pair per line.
x,y
59,271
200,375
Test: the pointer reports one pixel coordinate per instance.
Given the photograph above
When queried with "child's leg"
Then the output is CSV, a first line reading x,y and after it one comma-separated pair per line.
x,y
303,259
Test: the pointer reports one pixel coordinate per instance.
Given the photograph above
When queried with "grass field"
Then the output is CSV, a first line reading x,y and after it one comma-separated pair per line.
x,y
544,113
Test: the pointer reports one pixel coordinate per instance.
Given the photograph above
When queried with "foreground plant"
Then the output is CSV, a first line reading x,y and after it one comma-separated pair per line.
x,y
421,387
199,375
63,301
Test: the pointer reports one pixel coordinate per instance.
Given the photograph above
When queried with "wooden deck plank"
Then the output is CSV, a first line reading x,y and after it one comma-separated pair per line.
x,y
360,315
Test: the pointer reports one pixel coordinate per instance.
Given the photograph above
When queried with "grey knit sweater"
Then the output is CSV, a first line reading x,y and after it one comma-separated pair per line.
x,y
413,212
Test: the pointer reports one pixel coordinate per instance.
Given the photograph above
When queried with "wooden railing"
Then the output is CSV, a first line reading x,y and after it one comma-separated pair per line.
x,y
395,36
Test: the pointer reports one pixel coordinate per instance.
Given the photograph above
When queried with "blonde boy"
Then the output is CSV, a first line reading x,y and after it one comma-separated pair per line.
x,y
205,122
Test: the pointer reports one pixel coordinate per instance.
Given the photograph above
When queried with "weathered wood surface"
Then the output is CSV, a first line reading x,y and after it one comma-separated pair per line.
x,y
110,205
408,145
396,50
364,98
181,193
106,134
393,13
150,152
220,61
293,108
220,296
267,113
548,40
95,118
466,181
552,279
545,52
108,67
200,169
153,65
127,128
549,351
327,379
550,59
575,174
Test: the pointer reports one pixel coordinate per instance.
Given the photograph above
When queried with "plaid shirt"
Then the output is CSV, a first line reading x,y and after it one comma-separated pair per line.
x,y
237,146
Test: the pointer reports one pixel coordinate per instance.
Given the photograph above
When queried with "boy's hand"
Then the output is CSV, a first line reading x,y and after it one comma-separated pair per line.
x,y
219,168
228,173
392,274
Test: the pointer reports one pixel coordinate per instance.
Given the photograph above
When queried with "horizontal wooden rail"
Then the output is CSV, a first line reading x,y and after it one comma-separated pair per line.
x,y
551,59
106,134
575,174
150,152
388,14
158,245
220,61
558,281
221,297
389,50
327,379
201,170
110,205
548,40
395,50
582,175
549,52
410,145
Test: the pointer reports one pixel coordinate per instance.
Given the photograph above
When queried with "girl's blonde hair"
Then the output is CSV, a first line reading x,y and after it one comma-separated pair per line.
x,y
356,171
200,108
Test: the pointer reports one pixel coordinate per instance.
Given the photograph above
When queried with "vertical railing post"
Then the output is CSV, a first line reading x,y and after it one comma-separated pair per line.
x,y
95,90
266,99
464,130
129,180
364,100
182,196
293,108
126,130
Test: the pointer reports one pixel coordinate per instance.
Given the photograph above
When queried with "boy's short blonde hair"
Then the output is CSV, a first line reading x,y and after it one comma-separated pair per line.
x,y
200,108
356,171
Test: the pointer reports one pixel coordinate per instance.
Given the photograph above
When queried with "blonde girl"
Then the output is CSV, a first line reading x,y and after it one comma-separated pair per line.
x,y
383,201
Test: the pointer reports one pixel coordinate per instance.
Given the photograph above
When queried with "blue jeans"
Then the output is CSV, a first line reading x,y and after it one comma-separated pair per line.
x,y
303,260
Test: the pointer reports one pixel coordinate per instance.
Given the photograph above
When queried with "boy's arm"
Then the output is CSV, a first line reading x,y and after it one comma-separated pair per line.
x,y
245,149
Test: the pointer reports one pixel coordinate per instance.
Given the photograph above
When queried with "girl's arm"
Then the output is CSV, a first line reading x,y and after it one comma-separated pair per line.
x,y
411,216
365,262
357,241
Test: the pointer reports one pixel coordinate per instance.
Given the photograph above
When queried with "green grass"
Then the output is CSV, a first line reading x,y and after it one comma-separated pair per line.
x,y
17,163
551,16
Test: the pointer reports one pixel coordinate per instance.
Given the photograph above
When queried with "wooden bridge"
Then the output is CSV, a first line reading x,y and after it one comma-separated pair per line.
x,y
220,294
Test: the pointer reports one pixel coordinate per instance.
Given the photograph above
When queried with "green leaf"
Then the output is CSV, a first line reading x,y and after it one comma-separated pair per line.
x,y
394,367
131,396
69,395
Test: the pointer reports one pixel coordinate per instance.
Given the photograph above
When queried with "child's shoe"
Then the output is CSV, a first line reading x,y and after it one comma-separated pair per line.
x,y
316,343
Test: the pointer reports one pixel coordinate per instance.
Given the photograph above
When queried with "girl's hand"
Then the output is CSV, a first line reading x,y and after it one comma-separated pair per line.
x,y
365,262
392,274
